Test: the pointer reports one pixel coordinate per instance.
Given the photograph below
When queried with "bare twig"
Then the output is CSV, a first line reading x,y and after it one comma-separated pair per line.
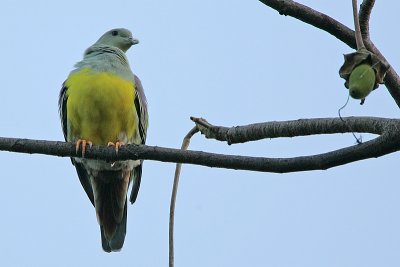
x,y
359,39
337,29
185,145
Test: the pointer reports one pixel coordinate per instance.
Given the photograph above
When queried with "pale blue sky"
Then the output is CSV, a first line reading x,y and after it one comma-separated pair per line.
x,y
231,62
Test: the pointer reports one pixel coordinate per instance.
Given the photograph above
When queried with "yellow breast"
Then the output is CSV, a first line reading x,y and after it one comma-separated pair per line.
x,y
100,107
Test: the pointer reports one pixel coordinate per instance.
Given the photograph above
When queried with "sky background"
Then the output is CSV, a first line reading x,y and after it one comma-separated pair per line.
x,y
233,63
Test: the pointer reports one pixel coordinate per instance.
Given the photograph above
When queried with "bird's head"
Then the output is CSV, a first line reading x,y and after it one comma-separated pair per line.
x,y
120,38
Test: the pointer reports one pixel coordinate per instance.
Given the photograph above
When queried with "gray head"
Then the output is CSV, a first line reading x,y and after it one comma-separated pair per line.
x,y
120,38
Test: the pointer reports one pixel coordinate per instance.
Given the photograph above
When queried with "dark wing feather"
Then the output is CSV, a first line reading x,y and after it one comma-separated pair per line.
x,y
62,108
84,179
141,109
80,169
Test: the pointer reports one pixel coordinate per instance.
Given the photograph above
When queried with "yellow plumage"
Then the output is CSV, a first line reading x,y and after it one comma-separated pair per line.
x,y
100,106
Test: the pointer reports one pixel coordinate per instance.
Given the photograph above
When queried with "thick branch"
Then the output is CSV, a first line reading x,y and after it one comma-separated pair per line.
x,y
314,18
387,143
337,29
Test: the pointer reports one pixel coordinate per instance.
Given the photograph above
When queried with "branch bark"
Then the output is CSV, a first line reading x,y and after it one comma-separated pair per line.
x,y
302,127
358,36
364,16
337,29
387,142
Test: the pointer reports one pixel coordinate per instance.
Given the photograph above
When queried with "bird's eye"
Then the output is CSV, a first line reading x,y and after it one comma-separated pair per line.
x,y
114,33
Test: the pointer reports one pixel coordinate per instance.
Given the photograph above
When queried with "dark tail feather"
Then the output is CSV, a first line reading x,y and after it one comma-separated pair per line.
x,y
110,189
84,178
104,241
117,241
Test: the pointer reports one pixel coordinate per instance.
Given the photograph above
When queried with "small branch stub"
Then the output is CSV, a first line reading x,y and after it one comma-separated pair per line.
x,y
205,128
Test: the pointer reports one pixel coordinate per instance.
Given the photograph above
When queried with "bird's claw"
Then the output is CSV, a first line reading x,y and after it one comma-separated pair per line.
x,y
117,145
82,143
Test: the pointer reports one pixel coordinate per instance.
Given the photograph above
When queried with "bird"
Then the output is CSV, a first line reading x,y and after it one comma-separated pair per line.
x,y
102,102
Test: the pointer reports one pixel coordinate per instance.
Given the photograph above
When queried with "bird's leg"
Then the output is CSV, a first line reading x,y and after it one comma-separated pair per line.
x,y
117,145
82,143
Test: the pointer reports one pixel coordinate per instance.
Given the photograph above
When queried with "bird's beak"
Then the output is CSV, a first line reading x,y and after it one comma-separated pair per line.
x,y
134,41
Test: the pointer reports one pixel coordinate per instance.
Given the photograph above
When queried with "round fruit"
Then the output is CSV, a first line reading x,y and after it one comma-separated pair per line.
x,y
361,81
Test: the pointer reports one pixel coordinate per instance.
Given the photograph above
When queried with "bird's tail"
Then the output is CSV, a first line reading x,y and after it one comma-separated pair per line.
x,y
110,190
116,242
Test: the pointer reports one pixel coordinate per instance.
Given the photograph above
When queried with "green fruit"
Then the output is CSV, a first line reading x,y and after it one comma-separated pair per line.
x,y
361,81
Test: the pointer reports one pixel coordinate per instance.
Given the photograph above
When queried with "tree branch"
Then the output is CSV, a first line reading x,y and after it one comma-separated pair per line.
x,y
337,29
302,127
314,18
364,16
388,142
358,36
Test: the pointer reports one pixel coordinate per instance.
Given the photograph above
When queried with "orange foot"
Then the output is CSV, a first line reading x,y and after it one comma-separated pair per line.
x,y
82,143
117,145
